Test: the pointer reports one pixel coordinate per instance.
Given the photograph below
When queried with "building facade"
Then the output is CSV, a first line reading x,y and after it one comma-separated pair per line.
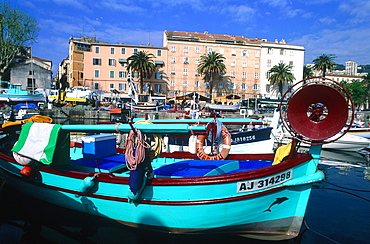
x,y
103,66
32,73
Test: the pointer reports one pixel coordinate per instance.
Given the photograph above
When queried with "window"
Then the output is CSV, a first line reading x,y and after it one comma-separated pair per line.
x,y
197,60
197,49
244,64
243,86
197,72
186,60
257,54
268,62
197,84
220,85
269,50
291,53
282,52
136,74
291,63
245,53
206,85
158,75
111,86
159,53
96,61
210,50
172,83
173,60
97,49
268,74
185,71
146,87
96,85
135,51
157,88
268,88
232,74
256,65
173,71
122,86
256,87
256,75
233,63
173,48
31,72
186,49
112,50
96,73
112,62
232,86
185,83
233,52
244,75
111,74
122,74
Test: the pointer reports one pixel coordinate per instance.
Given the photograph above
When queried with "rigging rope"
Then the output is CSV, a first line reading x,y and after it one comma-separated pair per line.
x,y
135,149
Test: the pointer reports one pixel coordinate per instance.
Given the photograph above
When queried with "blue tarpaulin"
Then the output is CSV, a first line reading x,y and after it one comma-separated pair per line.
x,y
25,105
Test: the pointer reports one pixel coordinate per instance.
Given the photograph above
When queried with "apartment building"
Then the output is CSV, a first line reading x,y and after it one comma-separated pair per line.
x,y
247,62
101,65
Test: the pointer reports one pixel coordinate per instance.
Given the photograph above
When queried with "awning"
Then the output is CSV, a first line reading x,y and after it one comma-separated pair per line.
x,y
159,62
121,60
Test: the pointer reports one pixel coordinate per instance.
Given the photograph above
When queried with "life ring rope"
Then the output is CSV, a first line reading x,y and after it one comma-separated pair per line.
x,y
226,138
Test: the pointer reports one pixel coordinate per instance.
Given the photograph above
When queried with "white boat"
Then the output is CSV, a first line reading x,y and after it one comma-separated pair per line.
x,y
14,95
223,107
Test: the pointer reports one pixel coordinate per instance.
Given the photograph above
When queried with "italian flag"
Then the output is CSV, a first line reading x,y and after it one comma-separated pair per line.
x,y
43,142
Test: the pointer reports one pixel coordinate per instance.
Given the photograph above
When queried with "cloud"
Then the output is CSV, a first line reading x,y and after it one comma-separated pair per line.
x,y
358,10
240,13
327,20
347,45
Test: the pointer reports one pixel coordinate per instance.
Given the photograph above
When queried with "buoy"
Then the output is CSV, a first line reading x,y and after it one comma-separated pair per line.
x,y
26,171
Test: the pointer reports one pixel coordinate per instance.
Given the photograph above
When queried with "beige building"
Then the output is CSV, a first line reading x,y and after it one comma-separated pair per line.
x,y
101,65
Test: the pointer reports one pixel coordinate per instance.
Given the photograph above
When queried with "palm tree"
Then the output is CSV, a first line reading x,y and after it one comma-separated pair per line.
x,y
281,75
307,72
324,63
142,63
212,66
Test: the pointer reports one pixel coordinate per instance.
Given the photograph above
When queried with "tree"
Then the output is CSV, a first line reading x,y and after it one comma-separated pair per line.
x,y
356,90
324,63
17,31
281,75
211,66
307,72
366,86
142,63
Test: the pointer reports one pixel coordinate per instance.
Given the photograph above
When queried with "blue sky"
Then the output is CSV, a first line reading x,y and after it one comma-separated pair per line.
x,y
340,27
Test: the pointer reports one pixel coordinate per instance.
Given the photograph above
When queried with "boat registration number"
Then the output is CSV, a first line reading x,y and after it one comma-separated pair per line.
x,y
263,183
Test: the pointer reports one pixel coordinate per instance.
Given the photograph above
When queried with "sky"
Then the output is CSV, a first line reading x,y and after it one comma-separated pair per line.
x,y
340,27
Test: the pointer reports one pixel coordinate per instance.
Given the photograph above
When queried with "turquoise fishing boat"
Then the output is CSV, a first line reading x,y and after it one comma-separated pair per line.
x,y
262,196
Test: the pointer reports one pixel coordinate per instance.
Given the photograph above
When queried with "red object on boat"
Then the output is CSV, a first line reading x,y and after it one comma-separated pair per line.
x,y
26,171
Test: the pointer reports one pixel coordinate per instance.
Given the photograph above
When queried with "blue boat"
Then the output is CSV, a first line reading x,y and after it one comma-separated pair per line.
x,y
262,196
13,94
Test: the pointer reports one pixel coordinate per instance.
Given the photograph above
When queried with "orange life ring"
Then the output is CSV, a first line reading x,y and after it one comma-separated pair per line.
x,y
226,137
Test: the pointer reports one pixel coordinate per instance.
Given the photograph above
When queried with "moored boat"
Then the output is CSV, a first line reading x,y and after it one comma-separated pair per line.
x,y
263,196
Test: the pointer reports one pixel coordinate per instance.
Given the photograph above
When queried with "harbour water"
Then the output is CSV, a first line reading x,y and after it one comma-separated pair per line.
x,y
338,212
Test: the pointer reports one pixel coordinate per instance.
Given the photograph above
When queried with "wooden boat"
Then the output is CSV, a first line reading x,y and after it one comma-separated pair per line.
x,y
221,107
259,196
362,132
148,106
14,95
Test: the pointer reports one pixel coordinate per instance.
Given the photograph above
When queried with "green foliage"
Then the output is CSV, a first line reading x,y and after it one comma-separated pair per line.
x,y
356,90
307,72
142,63
17,31
281,75
211,66
324,63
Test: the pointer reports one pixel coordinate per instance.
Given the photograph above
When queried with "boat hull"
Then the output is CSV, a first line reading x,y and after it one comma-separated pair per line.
x,y
209,204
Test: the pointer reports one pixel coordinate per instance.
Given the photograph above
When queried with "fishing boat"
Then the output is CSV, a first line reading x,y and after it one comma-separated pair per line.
x,y
262,196
14,94
220,107
362,132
